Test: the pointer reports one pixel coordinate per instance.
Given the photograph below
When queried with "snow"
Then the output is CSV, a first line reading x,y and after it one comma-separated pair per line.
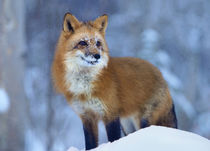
x,y
4,101
157,138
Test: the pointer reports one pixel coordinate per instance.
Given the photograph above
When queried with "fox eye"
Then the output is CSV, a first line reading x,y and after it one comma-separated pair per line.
x,y
98,43
83,43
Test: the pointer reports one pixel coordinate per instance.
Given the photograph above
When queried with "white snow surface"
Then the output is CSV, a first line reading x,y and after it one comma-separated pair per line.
x,y
4,101
157,138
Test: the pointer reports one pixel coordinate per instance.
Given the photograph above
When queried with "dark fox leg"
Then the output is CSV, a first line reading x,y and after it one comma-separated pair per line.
x,y
113,130
90,139
144,123
90,127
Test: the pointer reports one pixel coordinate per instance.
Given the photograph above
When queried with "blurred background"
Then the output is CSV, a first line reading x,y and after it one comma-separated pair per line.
x,y
173,35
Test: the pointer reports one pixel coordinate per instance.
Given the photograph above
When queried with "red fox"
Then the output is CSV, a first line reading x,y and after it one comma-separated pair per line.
x,y
118,91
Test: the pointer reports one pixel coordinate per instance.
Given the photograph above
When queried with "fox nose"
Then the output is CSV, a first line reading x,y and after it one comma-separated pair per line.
x,y
97,56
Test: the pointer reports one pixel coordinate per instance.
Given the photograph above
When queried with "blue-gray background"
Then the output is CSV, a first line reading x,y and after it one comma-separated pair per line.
x,y
173,35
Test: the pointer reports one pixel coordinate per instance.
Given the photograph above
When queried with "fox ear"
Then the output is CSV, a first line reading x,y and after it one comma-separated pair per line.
x,y
70,23
101,23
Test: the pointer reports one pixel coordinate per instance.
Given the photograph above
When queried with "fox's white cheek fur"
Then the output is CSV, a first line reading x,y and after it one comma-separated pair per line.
x,y
79,76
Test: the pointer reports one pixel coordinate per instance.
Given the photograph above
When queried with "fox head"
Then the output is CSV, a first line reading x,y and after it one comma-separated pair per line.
x,y
83,43
81,51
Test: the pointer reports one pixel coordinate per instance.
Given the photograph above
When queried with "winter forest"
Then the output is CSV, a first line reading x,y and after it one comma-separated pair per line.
x,y
173,35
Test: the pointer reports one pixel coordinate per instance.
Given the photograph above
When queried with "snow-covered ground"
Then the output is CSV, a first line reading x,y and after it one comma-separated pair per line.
x,y
157,138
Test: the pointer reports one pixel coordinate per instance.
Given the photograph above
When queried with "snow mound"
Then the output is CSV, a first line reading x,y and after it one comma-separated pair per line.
x,y
157,138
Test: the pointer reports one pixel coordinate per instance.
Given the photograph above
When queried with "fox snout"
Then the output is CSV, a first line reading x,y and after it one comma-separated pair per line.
x,y
94,55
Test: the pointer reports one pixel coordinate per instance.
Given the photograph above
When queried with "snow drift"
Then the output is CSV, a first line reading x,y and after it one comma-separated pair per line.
x,y
157,138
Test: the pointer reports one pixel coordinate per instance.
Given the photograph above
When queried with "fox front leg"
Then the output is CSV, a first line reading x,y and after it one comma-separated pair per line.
x,y
90,128
113,130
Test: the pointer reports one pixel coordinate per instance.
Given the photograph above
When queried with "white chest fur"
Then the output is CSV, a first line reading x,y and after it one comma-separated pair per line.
x,y
94,105
79,79
79,83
